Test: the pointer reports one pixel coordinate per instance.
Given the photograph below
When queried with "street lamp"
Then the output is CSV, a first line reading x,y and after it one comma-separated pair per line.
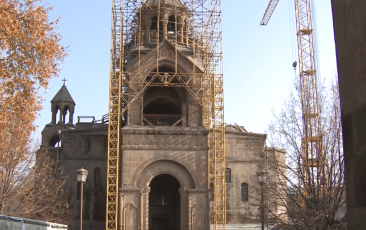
x,y
81,174
262,179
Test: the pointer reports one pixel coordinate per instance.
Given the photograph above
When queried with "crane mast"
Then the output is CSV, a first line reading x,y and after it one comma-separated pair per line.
x,y
115,111
312,160
206,88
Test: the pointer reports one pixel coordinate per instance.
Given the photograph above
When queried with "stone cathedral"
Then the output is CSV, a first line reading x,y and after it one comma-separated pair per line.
x,y
164,153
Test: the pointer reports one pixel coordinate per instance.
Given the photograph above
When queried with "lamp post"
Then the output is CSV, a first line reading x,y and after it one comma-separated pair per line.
x,y
262,179
81,174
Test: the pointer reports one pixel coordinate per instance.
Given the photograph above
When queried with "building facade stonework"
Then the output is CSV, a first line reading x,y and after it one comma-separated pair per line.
x,y
164,164
164,173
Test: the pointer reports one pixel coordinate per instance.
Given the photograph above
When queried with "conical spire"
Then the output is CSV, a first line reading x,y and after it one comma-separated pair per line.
x,y
63,95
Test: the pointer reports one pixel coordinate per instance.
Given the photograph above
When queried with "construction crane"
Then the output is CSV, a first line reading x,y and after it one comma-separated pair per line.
x,y
205,87
312,161
115,111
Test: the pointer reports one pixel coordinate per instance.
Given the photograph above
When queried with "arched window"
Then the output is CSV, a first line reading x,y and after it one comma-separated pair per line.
x,y
171,23
96,176
244,191
228,175
55,141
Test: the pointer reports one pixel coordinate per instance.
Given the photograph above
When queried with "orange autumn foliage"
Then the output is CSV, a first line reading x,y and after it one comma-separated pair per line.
x,y
30,54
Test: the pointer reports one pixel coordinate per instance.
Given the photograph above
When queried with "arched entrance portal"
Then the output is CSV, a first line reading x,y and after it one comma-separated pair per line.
x,y
164,203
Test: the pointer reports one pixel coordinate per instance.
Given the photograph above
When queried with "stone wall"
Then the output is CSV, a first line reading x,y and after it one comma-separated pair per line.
x,y
350,37
245,158
88,150
180,152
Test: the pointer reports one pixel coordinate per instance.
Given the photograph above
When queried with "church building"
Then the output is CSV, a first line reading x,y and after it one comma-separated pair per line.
x,y
165,176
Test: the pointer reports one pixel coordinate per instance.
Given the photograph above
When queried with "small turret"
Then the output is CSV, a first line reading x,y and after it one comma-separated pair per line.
x,y
62,102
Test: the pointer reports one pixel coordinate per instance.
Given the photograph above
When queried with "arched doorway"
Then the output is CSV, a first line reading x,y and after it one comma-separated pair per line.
x,y
164,203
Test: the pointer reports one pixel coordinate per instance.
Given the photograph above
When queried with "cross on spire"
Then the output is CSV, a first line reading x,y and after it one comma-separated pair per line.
x,y
64,80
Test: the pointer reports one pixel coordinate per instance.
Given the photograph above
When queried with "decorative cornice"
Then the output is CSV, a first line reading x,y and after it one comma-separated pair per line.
x,y
195,191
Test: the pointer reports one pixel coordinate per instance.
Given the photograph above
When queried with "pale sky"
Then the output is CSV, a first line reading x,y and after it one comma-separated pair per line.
x,y
258,70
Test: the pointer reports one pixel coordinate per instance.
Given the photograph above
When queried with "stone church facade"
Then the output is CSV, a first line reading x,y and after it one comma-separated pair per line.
x,y
164,173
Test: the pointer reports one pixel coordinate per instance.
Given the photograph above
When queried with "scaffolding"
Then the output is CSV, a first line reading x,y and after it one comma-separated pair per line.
x,y
200,32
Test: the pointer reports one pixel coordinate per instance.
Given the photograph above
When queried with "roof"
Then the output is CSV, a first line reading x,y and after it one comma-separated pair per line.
x,y
235,128
63,95
165,2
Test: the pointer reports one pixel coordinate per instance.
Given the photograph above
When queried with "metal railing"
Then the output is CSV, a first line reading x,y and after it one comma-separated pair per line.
x,y
163,119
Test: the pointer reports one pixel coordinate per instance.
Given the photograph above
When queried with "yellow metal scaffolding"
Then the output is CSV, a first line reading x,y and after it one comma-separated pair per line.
x,y
202,33
114,123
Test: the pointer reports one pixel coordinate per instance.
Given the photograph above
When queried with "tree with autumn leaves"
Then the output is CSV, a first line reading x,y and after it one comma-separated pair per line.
x,y
30,54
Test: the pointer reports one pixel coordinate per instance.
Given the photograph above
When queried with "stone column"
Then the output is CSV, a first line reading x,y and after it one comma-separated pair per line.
x,y
71,115
145,208
186,34
141,213
165,29
180,29
54,116
120,211
184,209
61,113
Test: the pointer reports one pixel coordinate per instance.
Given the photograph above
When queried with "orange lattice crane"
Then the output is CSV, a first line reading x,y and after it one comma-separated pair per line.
x,y
312,158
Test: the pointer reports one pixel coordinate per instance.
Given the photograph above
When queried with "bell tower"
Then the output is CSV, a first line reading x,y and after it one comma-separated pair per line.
x,y
166,95
164,149
62,103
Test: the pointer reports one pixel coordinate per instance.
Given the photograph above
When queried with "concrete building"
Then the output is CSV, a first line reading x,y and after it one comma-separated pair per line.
x,y
164,169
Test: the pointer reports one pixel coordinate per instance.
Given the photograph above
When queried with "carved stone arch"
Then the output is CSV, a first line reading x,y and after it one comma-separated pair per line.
x,y
171,94
172,168
165,61
169,62
53,139
142,167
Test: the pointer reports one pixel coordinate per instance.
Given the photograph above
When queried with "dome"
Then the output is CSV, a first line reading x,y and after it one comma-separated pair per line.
x,y
165,2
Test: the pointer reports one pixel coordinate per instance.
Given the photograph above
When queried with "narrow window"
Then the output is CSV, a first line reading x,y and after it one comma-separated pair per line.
x,y
211,191
96,176
154,23
171,23
244,192
228,175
